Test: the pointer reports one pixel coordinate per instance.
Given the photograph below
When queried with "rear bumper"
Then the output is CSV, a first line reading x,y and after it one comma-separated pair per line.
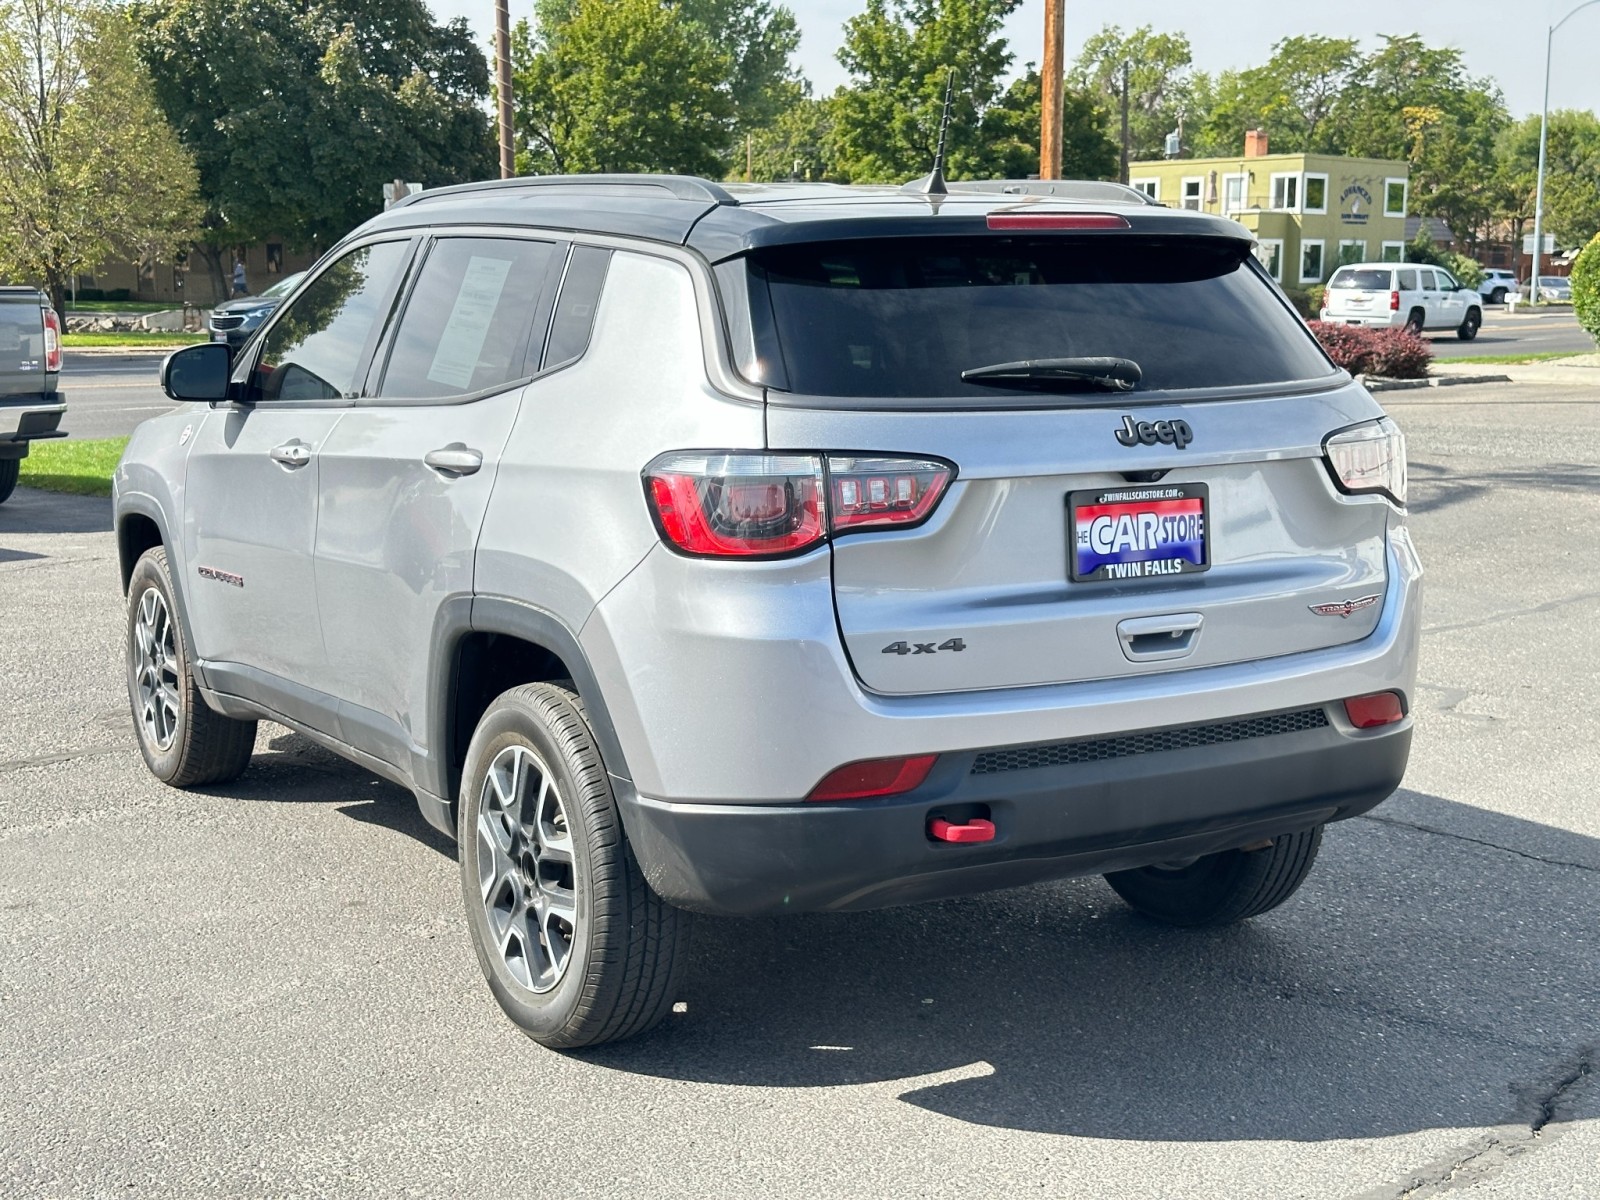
x,y
1050,822
1384,320
23,421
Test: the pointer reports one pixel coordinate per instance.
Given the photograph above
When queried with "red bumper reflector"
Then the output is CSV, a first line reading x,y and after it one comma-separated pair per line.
x,y
1055,220
975,830
1379,708
874,777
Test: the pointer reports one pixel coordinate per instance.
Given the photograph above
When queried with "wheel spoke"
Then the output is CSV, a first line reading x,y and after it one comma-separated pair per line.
x,y
494,864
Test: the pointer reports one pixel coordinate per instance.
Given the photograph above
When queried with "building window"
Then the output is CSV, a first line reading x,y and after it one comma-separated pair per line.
x,y
1394,197
1311,260
1233,193
1193,189
274,258
1316,194
1150,187
1393,252
1286,193
1352,251
1269,253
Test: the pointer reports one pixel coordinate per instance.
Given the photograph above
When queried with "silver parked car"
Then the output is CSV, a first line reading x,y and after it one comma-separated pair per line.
x,y
784,548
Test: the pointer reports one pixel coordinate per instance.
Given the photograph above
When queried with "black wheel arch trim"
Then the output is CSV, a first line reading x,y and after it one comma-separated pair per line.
x,y
139,504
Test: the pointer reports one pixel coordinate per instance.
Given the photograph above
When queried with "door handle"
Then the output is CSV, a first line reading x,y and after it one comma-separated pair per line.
x,y
454,459
291,454
1153,639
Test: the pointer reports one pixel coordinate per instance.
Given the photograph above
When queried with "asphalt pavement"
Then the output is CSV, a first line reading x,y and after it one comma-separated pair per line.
x,y
1543,330
267,988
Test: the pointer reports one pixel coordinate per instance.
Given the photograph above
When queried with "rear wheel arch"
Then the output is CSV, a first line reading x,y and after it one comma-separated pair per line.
x,y
504,644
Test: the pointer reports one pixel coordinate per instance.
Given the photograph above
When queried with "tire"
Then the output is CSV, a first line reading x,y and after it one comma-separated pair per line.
x,y
1469,327
1221,889
1498,296
10,469
1415,322
184,742
575,946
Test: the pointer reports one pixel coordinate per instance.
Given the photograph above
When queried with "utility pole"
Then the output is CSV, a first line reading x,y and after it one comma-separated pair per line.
x,y
502,63
1050,97
1124,176
1544,130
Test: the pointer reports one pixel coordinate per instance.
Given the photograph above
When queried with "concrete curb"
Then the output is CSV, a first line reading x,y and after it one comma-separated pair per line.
x,y
122,351
1433,381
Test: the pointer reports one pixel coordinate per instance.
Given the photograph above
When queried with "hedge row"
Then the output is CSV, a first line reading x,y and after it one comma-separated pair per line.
x,y
1586,288
1390,353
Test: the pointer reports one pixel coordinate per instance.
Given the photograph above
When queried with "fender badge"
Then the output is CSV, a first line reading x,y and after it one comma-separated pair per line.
x,y
227,577
183,438
1345,607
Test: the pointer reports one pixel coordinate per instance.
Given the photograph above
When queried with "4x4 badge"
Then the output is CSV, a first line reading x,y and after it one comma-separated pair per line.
x,y
1148,433
1345,607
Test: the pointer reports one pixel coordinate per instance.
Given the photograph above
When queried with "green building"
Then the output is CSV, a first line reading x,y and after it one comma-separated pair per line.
x,y
1310,212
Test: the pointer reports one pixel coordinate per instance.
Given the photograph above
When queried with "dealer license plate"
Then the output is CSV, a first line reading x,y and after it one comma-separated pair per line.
x,y
1138,532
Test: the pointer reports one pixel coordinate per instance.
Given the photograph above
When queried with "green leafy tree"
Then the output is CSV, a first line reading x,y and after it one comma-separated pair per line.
x,y
1586,287
1293,96
1161,83
1572,175
88,166
760,40
298,113
621,85
899,54
799,144
1414,102
1011,130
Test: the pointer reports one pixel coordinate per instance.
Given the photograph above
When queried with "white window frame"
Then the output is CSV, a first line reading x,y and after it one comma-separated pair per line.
x,y
1244,191
1150,185
1343,242
1272,191
1405,197
1200,192
1399,249
1322,259
1304,205
1266,244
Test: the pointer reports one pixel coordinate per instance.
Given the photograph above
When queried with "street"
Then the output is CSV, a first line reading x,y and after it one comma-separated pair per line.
x,y
1527,331
267,988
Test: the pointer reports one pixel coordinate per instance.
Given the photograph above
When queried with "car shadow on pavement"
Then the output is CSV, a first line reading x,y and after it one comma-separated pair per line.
x,y
32,511
1437,970
1434,487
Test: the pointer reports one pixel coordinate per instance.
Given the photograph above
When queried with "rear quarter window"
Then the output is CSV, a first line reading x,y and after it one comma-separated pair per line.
x,y
1361,281
904,317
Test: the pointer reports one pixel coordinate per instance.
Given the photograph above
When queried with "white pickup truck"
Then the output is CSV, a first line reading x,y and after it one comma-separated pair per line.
x,y
30,365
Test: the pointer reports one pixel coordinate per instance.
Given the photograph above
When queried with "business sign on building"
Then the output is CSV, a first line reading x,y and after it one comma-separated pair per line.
x,y
1355,205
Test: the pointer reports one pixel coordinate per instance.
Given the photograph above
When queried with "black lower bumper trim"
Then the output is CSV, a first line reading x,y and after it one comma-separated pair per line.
x,y
1051,822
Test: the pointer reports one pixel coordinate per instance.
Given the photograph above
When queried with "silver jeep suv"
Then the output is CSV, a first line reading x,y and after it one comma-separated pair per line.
x,y
784,548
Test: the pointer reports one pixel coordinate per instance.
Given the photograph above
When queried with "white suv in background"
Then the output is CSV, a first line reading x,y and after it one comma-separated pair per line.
x,y
1411,296
1498,283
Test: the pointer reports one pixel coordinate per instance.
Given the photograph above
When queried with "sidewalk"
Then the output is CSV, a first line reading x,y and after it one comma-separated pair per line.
x,y
1580,369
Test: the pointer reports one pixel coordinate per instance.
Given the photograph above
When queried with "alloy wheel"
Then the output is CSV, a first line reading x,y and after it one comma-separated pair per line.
x,y
527,874
155,671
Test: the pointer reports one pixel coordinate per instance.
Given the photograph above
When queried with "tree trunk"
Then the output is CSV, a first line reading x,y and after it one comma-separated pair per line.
x,y
55,284
211,254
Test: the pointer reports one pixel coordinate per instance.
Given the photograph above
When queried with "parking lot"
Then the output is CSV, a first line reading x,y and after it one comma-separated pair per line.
x,y
267,988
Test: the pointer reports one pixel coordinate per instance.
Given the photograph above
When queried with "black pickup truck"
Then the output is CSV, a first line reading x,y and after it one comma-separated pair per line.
x,y
30,364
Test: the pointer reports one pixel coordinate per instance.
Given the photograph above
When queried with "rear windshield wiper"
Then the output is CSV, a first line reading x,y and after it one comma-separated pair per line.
x,y
1060,374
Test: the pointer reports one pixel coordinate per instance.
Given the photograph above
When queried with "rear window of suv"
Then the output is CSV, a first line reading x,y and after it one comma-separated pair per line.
x,y
1361,281
904,317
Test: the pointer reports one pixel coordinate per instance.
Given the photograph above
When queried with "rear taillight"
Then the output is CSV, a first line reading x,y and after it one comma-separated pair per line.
x,y
52,340
1367,458
735,505
1394,301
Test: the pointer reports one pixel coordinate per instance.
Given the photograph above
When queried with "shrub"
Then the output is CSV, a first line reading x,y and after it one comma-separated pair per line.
x,y
1586,287
1422,250
1301,301
1315,296
1389,353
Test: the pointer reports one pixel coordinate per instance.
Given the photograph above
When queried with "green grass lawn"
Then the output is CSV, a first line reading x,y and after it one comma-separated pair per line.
x,y
1507,359
148,340
118,306
83,468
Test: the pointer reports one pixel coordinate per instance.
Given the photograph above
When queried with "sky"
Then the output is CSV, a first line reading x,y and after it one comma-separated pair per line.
x,y
1505,41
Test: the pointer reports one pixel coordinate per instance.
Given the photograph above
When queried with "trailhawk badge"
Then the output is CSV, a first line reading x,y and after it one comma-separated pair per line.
x,y
1345,607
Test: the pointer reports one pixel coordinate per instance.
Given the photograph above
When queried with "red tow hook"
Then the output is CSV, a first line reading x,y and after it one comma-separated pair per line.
x,y
975,830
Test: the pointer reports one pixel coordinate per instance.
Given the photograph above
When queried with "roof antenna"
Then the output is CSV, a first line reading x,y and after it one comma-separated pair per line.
x,y
932,184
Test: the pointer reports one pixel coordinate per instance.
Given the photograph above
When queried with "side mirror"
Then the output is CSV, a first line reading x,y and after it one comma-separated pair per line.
x,y
198,372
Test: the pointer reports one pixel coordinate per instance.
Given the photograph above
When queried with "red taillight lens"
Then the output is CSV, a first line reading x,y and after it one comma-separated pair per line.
x,y
732,505
738,505
1394,301
866,493
1379,708
52,340
874,777
1055,220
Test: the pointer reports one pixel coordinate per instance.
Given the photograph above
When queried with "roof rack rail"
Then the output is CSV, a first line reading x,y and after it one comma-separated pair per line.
x,y
680,187
1064,189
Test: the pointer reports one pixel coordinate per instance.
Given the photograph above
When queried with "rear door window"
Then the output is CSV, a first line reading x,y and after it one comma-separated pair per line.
x,y
904,317
1408,280
470,319
576,306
